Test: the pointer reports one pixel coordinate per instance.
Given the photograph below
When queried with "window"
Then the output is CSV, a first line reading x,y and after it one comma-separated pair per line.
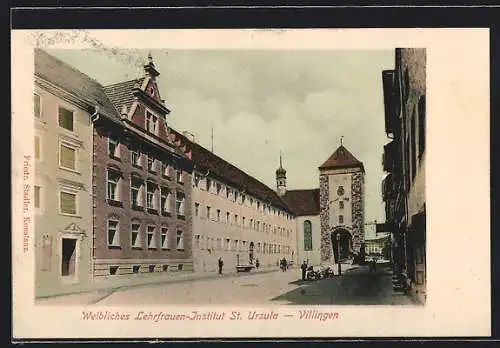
x,y
37,196
341,204
235,196
196,179
307,235
166,169
196,209
113,147
208,212
113,193
67,156
218,214
227,218
258,225
243,198
151,123
179,175
251,223
113,233
151,163
341,219
197,241
135,241
37,106
179,203
258,205
228,244
180,240
421,126
135,192
66,119
150,193
164,238
208,184
235,245
218,188
135,154
235,219
243,221
151,237
37,147
68,202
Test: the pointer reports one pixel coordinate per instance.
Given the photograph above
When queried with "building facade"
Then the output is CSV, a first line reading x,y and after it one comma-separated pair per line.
x,y
63,178
142,185
236,217
403,188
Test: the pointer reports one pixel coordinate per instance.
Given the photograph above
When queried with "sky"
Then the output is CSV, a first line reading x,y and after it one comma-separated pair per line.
x,y
261,102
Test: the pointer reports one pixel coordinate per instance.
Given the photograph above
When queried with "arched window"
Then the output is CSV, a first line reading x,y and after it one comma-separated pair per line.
x,y
307,235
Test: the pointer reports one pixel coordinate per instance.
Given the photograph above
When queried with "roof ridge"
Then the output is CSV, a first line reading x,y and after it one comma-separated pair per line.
x,y
123,82
238,169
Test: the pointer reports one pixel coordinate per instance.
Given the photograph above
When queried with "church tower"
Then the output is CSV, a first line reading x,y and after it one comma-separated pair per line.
x,y
281,179
342,181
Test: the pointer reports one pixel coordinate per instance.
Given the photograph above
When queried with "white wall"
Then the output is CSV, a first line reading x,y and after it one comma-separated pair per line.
x,y
313,256
50,223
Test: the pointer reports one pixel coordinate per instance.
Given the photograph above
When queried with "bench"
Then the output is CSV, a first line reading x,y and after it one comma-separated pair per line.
x,y
244,268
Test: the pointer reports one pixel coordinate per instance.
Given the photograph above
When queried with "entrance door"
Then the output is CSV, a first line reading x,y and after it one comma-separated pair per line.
x,y
68,261
342,245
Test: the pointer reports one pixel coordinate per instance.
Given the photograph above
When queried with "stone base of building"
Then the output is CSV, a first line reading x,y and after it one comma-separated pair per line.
x,y
105,268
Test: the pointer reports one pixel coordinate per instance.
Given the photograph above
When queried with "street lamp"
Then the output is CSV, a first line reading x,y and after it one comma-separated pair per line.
x,y
338,253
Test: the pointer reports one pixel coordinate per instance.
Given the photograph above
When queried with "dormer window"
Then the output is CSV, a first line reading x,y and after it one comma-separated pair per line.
x,y
151,123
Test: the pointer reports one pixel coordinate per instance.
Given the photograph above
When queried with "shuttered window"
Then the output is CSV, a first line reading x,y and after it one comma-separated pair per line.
x,y
37,147
67,157
37,106
68,203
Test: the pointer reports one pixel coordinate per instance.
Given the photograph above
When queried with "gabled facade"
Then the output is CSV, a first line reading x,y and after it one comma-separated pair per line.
x,y
141,184
403,189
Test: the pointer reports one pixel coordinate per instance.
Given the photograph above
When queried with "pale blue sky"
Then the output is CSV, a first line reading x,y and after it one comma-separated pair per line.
x,y
261,102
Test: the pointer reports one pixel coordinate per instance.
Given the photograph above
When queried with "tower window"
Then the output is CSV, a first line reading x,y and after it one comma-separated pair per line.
x,y
341,219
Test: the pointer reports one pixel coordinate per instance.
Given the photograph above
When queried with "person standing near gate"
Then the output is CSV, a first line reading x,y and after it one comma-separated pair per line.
x,y
221,263
303,268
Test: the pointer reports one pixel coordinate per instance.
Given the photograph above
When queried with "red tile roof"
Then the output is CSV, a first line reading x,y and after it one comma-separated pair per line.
x,y
342,158
219,168
121,93
303,202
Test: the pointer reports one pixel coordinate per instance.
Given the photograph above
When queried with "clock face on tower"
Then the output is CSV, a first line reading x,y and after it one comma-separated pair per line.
x,y
340,191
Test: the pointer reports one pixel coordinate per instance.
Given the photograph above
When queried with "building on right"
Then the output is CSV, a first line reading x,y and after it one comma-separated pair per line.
x,y
403,188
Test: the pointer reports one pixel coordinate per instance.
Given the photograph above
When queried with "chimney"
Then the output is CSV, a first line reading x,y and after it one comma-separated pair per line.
x,y
188,135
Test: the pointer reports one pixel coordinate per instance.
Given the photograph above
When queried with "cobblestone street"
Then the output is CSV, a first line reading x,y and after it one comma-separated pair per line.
x,y
357,286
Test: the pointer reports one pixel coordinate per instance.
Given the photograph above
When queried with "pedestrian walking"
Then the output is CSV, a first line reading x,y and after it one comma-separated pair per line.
x,y
285,265
303,268
221,263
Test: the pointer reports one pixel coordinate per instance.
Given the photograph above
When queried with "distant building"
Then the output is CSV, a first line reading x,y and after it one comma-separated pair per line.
x,y
403,188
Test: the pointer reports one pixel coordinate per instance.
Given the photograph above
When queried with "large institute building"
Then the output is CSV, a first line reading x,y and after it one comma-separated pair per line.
x,y
127,196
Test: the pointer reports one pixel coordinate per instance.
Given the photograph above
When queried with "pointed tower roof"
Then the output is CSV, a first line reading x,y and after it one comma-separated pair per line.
x,y
342,158
280,170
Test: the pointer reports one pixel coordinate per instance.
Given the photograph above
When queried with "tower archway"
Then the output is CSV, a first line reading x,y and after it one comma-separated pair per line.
x,y
341,244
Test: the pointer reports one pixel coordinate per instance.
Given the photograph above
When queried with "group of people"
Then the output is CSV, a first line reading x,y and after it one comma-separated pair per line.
x,y
283,264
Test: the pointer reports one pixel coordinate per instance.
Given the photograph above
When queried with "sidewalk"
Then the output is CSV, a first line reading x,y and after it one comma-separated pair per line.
x,y
101,289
